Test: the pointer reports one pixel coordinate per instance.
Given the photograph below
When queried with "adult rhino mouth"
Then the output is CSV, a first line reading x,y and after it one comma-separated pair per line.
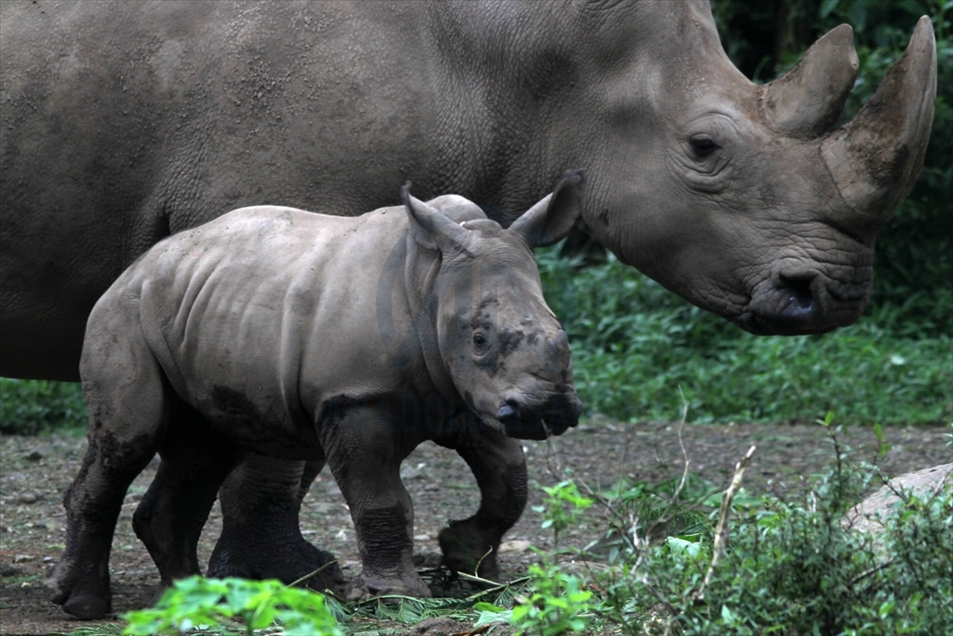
x,y
554,417
801,304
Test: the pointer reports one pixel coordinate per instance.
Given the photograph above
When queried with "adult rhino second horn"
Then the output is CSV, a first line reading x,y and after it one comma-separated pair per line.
x,y
807,100
876,158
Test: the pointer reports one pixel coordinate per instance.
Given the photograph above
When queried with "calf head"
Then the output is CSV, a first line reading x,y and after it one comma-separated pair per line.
x,y
501,345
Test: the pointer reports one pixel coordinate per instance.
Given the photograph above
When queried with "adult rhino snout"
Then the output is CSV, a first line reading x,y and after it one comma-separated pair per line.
x,y
799,303
524,420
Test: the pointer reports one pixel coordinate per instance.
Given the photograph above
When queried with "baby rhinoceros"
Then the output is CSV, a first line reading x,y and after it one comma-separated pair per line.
x,y
301,336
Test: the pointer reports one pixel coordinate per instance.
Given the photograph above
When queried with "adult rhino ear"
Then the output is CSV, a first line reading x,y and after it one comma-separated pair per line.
x,y
433,230
550,220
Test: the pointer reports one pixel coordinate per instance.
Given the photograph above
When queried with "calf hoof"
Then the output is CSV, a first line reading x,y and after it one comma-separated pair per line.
x,y
366,587
466,550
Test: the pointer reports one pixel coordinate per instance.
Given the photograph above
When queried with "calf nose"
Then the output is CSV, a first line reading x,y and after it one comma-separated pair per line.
x,y
509,412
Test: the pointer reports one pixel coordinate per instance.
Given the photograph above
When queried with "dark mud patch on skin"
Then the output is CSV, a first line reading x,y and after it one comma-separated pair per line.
x,y
32,519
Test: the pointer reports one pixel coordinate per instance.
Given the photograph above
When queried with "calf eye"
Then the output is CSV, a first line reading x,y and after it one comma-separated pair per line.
x,y
480,343
702,144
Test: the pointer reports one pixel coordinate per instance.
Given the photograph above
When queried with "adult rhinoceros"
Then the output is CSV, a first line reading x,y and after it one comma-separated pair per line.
x,y
123,122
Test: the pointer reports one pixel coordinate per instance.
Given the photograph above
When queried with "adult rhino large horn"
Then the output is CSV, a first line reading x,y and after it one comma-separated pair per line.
x,y
876,158
807,100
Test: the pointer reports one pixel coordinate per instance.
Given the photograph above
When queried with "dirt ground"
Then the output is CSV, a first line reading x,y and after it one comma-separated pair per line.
x,y
35,471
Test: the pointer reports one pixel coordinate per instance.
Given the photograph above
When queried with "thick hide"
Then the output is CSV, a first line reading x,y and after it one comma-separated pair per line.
x,y
311,338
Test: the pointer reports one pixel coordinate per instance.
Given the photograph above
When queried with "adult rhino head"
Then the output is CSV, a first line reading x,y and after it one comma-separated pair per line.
x,y
500,342
742,198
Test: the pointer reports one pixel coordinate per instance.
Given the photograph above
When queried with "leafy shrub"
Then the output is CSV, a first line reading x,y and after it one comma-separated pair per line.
x,y
786,566
28,407
234,606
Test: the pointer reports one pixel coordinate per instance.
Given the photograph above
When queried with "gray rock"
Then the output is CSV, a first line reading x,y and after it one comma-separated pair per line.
x,y
870,514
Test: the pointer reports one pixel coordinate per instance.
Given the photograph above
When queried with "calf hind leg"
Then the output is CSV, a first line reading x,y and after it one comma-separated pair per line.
x,y
126,397
169,519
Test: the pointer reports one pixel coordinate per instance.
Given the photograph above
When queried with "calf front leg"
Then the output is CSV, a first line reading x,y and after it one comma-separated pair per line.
x,y
498,463
364,453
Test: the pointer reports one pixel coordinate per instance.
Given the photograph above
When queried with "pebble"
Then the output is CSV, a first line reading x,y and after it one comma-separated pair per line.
x,y
515,546
27,498
21,558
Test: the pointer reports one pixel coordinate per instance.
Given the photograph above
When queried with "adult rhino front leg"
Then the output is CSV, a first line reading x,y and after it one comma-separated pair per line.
x,y
499,465
261,539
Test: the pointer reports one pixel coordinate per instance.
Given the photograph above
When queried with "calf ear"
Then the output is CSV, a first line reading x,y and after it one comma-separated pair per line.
x,y
432,229
550,220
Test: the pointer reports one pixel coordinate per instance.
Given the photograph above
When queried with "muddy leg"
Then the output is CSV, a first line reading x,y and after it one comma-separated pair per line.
x,y
499,466
261,538
364,453
170,517
126,395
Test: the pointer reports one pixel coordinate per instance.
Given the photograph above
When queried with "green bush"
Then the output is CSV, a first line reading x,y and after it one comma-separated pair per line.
x,y
234,606
787,566
28,407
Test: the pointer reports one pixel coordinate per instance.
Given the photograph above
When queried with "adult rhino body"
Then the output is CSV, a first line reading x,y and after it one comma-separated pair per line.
x,y
263,330
124,122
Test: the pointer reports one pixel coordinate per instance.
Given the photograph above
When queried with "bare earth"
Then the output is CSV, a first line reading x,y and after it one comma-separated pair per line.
x,y
35,471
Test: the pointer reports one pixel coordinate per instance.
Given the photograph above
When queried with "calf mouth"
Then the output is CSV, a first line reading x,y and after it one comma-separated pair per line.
x,y
538,422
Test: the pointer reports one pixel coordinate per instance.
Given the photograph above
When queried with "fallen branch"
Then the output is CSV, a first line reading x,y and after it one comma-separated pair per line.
x,y
311,575
721,530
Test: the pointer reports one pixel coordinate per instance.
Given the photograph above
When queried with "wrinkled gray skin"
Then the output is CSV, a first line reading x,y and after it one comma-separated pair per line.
x,y
311,337
122,122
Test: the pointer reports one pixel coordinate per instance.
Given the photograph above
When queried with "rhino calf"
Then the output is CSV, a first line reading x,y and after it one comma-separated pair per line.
x,y
275,332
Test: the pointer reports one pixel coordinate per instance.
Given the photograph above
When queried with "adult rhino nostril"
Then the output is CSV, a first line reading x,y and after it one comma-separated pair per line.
x,y
797,299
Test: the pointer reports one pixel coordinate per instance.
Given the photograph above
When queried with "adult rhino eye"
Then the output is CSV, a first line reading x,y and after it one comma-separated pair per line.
x,y
702,144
